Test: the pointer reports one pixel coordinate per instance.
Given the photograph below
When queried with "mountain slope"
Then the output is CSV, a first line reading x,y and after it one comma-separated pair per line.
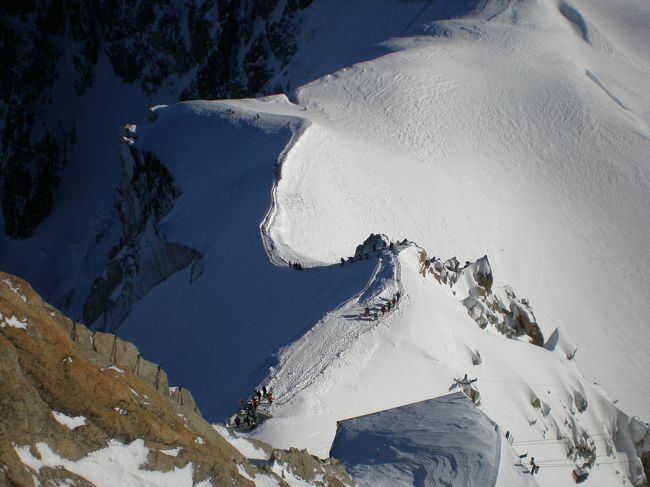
x,y
516,130
87,409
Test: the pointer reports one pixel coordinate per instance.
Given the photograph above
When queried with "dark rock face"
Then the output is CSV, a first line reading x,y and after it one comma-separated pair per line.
x,y
143,258
182,50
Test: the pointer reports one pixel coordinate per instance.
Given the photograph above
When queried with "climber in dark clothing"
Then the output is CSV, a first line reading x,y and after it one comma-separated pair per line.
x,y
342,261
264,391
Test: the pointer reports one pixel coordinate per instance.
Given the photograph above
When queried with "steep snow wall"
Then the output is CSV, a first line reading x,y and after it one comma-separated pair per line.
x,y
443,441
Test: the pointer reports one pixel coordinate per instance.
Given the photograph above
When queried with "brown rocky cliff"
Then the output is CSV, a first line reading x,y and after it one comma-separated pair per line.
x,y
55,364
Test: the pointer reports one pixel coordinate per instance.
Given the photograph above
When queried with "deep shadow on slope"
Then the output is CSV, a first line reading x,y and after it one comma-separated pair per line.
x,y
442,441
215,328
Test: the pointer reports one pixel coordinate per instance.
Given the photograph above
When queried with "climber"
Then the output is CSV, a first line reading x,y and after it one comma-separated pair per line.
x,y
366,311
237,421
397,295
259,395
374,316
534,467
264,391
342,261
269,396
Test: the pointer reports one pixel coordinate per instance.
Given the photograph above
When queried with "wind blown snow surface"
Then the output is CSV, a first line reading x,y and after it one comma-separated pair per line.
x,y
516,130
444,441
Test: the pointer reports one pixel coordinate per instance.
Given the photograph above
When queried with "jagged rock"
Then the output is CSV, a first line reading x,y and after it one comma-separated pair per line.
x,y
473,284
51,363
303,465
645,461
580,401
223,55
143,257
483,274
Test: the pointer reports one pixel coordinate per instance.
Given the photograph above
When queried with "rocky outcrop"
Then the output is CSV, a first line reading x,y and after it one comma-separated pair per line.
x,y
68,393
473,284
143,258
179,51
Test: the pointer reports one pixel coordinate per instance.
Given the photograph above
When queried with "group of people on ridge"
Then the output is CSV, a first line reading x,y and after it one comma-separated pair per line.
x,y
249,413
383,307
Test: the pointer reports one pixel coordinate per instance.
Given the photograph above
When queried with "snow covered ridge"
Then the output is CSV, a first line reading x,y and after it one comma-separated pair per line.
x,y
348,365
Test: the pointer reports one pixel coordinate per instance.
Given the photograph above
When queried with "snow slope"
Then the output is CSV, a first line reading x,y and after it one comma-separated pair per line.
x,y
525,138
216,325
415,353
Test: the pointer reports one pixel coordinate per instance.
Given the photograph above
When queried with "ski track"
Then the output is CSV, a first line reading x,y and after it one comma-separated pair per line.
x,y
334,335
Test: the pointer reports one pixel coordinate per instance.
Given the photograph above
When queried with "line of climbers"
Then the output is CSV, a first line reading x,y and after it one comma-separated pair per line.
x,y
250,413
384,307
295,265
